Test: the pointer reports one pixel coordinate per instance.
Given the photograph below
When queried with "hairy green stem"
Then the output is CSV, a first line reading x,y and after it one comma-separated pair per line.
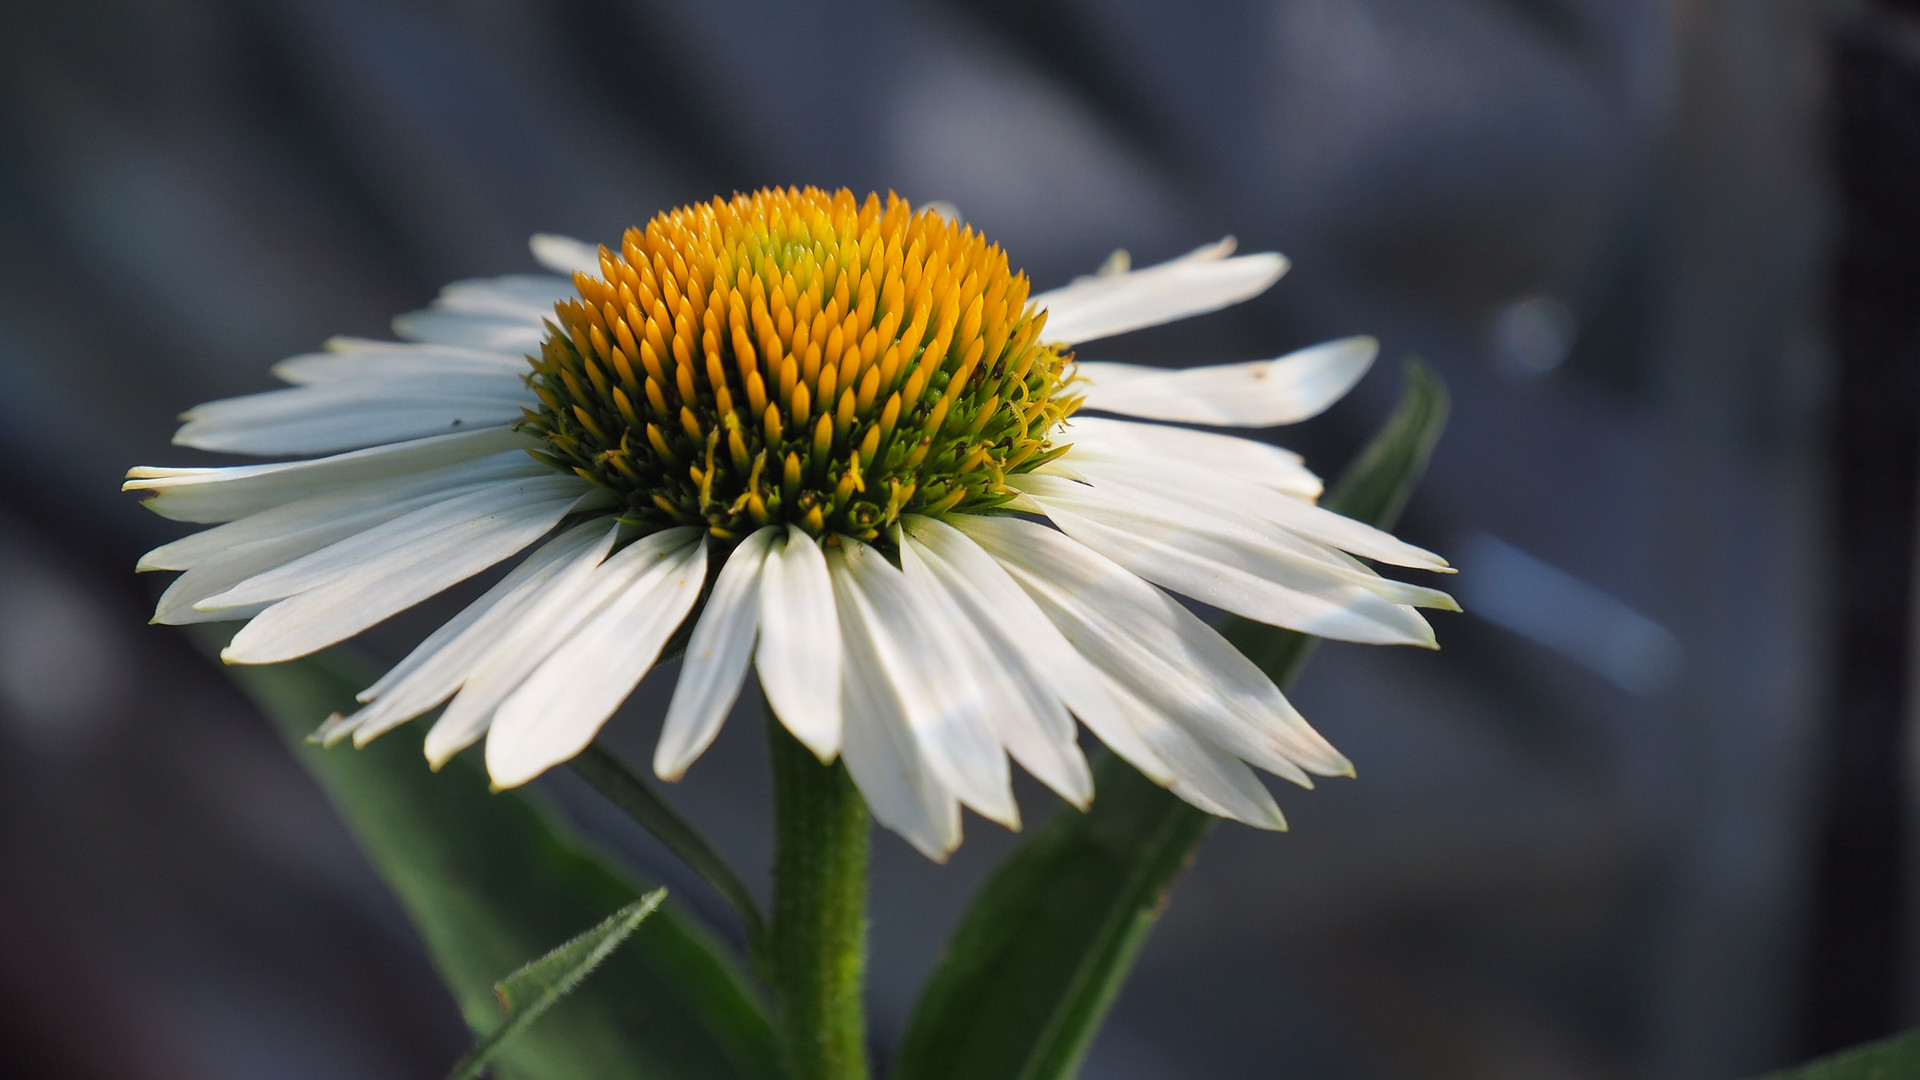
x,y
819,949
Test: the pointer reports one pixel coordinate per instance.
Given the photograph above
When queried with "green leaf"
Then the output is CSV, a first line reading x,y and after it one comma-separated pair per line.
x,y
1896,1058
1377,485
618,784
1039,956
528,993
492,879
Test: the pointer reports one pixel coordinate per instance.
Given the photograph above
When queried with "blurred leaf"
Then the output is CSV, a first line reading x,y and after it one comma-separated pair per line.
x,y
1897,1058
491,879
531,991
1039,956
1378,483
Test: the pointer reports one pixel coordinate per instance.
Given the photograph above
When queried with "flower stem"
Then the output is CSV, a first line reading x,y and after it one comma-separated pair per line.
x,y
819,948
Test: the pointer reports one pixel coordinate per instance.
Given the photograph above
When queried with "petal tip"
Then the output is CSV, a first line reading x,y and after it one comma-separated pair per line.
x,y
321,735
669,770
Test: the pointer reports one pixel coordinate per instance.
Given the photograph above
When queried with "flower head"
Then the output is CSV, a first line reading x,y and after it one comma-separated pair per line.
x,y
795,358
840,423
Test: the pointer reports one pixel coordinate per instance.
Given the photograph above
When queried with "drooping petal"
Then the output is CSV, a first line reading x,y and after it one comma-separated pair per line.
x,y
1244,459
363,504
1205,493
223,494
220,571
535,633
1199,771
1159,650
1047,675
880,749
558,710
799,652
437,668
1106,305
1230,569
717,658
925,661
353,601
1257,393
421,537
969,677
1120,502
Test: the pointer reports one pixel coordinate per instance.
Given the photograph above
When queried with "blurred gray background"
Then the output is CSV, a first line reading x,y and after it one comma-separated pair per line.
x,y
1644,816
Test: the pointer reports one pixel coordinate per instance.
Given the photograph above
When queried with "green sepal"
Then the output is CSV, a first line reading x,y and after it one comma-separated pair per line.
x,y
491,879
528,993
1896,1058
1041,953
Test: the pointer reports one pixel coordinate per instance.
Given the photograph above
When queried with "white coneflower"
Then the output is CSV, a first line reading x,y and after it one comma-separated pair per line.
x,y
842,423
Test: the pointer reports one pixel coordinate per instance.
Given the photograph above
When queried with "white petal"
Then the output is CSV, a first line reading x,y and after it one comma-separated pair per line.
x,y
1159,650
560,564
332,416
559,709
351,603
799,653
1200,772
412,539
1046,674
1100,307
223,494
341,512
494,332
295,401
529,297
176,604
1021,622
927,666
535,632
1211,493
359,358
880,749
1164,505
565,255
441,664
717,658
967,676
1257,393
234,563
1122,504
1245,459
1230,569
